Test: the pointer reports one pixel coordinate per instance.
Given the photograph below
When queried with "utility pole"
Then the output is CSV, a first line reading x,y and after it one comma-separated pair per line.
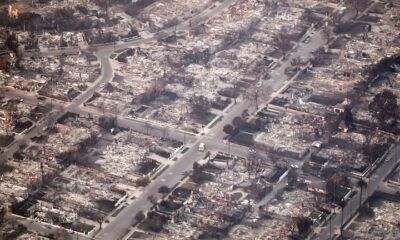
x,y
176,9
42,172
107,6
330,226
116,114
61,39
256,98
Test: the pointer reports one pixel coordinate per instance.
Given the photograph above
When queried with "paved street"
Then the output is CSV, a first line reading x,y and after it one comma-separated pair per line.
x,y
213,139
119,226
116,229
103,53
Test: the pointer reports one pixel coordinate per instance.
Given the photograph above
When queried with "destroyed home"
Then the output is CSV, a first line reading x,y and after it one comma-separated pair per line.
x,y
225,184
231,119
70,188
395,177
379,220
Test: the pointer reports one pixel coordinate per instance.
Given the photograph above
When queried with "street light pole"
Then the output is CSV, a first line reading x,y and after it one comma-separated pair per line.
x,y
184,131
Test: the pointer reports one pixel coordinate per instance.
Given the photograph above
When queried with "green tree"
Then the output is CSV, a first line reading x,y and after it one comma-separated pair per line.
x,y
164,189
228,129
140,216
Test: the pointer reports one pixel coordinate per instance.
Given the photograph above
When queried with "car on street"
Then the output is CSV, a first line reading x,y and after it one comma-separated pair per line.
x,y
202,147
295,166
307,39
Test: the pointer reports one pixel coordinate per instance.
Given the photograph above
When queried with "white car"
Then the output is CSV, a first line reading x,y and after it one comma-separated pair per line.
x,y
295,166
202,147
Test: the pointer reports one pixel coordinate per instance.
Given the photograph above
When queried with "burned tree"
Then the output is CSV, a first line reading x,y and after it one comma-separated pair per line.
x,y
99,218
254,164
282,42
143,182
303,225
61,234
384,107
357,5
200,107
152,199
136,7
156,90
334,186
12,42
385,65
337,23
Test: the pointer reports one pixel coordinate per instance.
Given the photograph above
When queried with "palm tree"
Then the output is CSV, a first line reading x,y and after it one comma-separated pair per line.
x,y
342,205
361,183
331,185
